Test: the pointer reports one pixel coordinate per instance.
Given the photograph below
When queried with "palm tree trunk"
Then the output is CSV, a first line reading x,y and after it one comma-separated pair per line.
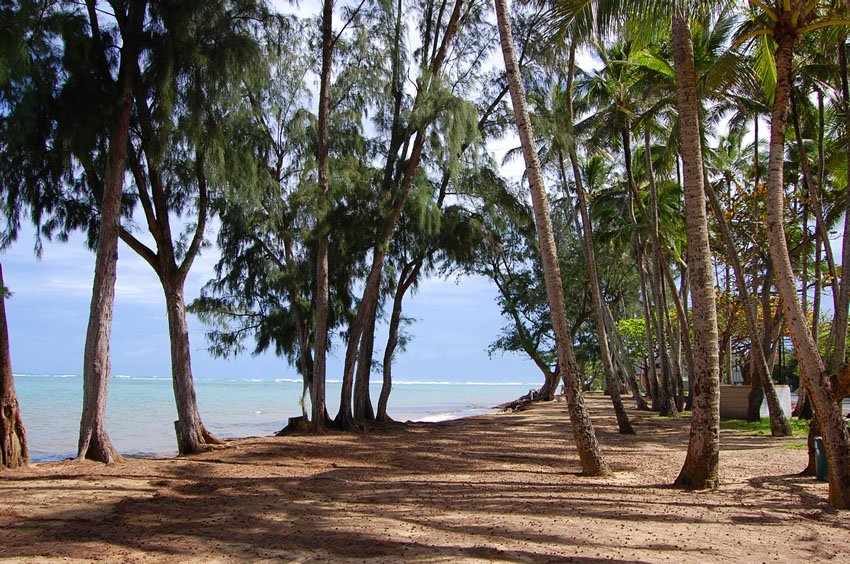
x,y
839,350
623,359
815,191
779,426
701,467
827,410
586,232
666,390
647,320
592,461
94,442
317,388
611,378
13,437
666,393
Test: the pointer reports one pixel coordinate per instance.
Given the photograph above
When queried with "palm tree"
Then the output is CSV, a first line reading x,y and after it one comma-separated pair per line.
x,y
786,22
701,464
590,454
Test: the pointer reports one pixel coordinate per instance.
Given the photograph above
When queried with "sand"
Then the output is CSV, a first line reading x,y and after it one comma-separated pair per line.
x,y
499,487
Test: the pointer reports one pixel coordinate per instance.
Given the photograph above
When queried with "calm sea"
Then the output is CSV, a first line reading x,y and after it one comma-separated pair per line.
x,y
141,412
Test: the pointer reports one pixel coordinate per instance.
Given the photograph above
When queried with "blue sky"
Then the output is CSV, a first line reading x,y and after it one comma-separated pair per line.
x,y
48,313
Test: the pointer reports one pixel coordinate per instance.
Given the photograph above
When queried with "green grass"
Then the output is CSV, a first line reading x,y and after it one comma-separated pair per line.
x,y
798,445
800,427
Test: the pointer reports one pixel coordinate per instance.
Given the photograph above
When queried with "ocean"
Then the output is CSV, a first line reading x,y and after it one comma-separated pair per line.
x,y
141,412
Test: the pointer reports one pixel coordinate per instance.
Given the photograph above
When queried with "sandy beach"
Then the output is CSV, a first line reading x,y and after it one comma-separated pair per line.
x,y
490,488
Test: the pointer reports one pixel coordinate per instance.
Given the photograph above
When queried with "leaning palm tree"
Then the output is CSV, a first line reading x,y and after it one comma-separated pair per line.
x,y
785,22
592,461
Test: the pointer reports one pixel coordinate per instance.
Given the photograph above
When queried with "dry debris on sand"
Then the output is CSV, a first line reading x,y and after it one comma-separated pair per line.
x,y
492,488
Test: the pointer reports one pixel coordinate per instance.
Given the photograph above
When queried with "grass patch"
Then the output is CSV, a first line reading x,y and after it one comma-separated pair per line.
x,y
762,428
798,445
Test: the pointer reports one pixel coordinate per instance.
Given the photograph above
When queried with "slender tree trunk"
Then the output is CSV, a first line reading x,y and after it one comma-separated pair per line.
x,y
611,377
590,454
815,192
408,275
666,389
675,340
827,410
94,441
841,313
684,328
13,448
804,406
666,393
317,391
623,359
586,233
701,467
648,323
779,426
389,352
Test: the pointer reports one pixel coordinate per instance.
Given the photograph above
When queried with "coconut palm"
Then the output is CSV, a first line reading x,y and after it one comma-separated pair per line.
x,y
590,454
784,23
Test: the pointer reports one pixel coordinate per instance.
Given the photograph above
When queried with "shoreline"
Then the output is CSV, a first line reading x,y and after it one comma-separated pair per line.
x,y
140,412
501,486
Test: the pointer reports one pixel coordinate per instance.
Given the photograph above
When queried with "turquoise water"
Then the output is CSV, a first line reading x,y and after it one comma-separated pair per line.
x,y
141,412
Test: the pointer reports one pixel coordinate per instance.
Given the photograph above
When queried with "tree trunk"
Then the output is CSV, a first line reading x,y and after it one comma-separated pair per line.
x,y
779,426
589,452
192,436
317,389
611,378
700,470
650,341
815,192
756,395
94,442
666,390
827,411
389,352
363,410
551,379
586,232
13,448
623,359
841,313
345,417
